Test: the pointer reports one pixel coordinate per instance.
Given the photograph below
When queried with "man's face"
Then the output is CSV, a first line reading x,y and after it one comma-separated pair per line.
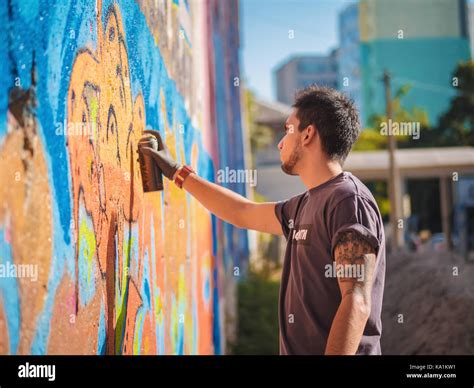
x,y
290,146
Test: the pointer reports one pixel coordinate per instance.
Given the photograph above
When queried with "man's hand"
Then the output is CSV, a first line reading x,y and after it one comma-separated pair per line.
x,y
354,311
162,156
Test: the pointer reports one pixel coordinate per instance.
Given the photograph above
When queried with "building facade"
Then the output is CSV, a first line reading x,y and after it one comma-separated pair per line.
x,y
300,71
420,43
349,61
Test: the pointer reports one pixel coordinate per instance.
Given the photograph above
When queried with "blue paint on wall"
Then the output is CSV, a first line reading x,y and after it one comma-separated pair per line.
x,y
9,293
6,79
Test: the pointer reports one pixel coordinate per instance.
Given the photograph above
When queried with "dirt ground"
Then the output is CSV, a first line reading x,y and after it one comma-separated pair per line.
x,y
437,307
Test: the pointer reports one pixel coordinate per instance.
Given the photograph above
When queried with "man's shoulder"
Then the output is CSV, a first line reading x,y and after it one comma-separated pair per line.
x,y
344,187
292,201
350,188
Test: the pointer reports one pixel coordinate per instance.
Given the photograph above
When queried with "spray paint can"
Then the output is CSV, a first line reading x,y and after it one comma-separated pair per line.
x,y
152,178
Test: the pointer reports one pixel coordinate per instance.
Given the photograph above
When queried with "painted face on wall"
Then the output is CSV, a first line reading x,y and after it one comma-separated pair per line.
x,y
290,146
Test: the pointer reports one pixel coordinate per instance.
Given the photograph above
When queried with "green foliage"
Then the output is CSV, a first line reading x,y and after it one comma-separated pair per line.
x,y
379,190
258,315
371,139
260,135
457,124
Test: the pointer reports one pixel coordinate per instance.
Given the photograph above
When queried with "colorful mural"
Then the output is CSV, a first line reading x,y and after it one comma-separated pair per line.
x,y
117,271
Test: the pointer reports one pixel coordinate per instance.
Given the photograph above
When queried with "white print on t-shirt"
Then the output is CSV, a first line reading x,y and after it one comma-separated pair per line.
x,y
301,234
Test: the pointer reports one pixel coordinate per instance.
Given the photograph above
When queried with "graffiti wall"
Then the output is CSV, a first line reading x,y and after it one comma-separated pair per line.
x,y
89,264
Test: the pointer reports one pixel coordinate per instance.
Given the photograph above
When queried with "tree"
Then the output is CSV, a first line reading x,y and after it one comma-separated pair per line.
x,y
457,124
371,139
260,135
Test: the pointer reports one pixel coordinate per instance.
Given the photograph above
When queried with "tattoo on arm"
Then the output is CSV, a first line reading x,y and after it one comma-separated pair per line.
x,y
355,262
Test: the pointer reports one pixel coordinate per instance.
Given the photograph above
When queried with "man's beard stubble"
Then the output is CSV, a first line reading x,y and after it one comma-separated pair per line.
x,y
295,156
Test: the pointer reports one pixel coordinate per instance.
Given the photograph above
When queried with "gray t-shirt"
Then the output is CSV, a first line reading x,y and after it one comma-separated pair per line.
x,y
312,223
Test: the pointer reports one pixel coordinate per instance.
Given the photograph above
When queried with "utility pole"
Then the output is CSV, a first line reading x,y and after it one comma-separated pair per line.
x,y
394,180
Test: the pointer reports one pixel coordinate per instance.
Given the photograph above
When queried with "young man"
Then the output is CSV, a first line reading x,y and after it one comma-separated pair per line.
x,y
334,269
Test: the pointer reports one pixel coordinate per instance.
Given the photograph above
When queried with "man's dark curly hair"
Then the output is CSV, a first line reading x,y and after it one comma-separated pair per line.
x,y
334,116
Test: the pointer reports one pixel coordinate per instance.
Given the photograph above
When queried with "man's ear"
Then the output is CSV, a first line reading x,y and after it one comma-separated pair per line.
x,y
309,134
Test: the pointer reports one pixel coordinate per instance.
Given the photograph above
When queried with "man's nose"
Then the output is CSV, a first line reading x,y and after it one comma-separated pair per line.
x,y
280,144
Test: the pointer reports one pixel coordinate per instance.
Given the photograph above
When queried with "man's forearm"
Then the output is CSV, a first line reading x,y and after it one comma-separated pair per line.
x,y
220,201
347,327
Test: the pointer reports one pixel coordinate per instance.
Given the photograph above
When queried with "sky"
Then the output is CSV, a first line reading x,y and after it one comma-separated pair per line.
x,y
265,40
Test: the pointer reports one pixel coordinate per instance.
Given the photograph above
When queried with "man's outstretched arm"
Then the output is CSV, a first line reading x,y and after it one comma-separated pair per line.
x,y
224,203
233,207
